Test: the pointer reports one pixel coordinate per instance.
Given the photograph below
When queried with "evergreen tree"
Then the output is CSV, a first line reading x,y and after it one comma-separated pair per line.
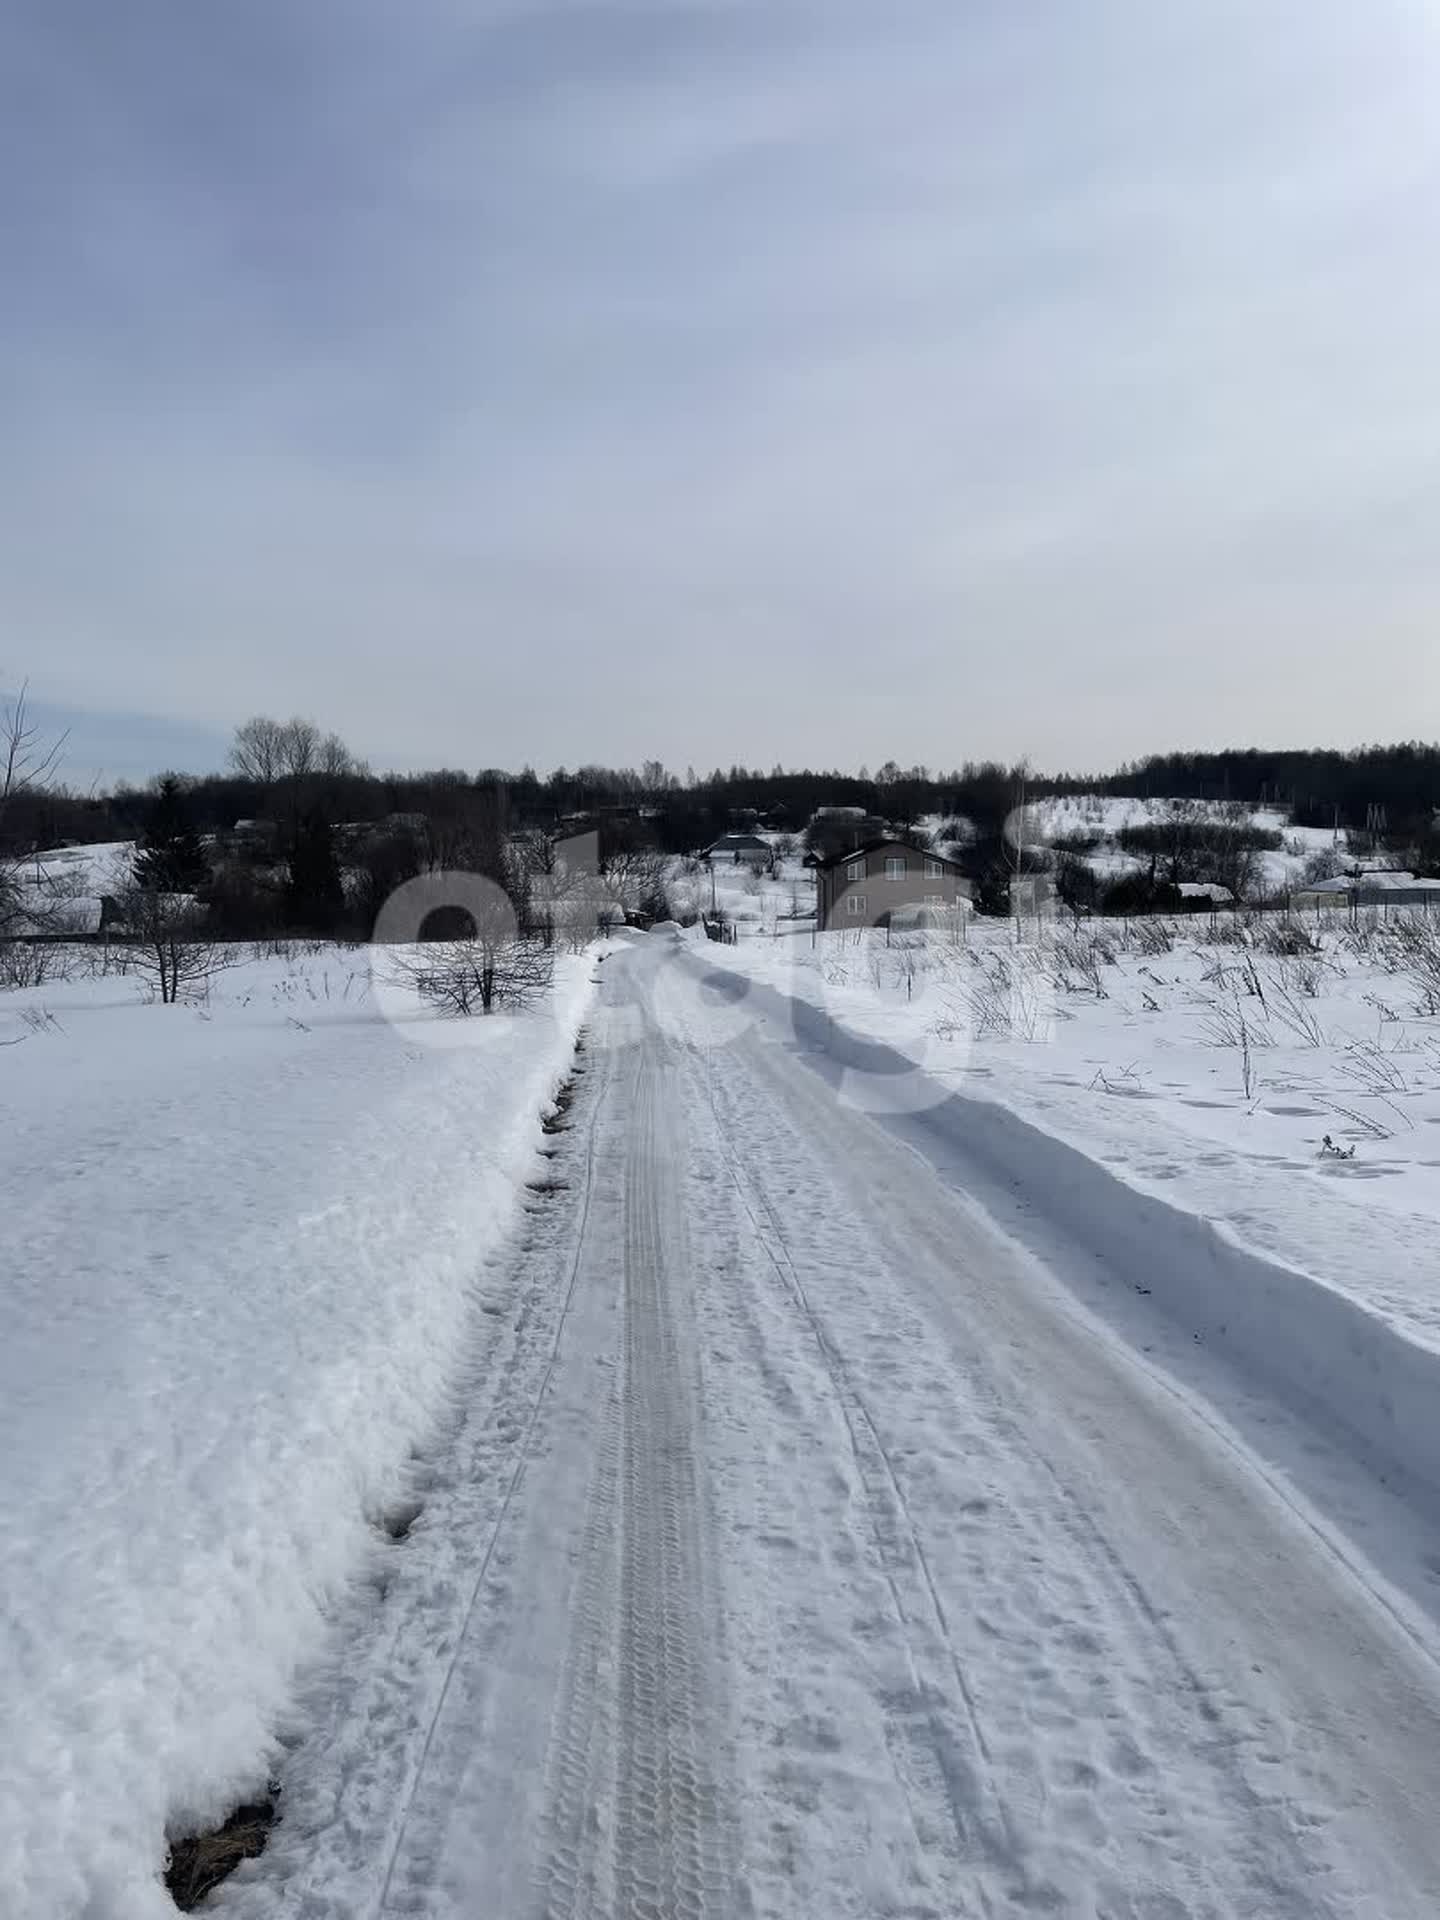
x,y
314,891
169,857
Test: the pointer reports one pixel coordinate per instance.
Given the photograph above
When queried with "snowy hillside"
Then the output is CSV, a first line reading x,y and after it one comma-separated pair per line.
x,y
61,889
97,868
1091,824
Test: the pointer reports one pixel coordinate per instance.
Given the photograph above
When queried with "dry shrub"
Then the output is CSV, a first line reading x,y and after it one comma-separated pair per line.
x,y
464,977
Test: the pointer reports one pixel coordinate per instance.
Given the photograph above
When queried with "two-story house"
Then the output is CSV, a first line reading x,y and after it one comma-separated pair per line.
x,y
864,886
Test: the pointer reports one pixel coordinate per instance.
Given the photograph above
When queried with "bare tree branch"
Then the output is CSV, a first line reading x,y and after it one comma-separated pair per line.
x,y
30,902
28,763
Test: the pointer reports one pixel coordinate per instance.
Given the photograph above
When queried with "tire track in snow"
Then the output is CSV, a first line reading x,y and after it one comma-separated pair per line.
x,y
636,1723
580,1766
513,1484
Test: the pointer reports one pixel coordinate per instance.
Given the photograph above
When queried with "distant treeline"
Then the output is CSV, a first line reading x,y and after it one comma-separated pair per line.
x,y
1394,788
1401,781
298,834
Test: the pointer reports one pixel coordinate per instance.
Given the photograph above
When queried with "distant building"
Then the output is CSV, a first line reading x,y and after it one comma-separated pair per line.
x,y
1380,887
740,849
865,886
249,837
1197,893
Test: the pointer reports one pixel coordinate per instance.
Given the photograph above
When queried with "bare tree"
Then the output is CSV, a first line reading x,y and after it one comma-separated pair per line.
x,y
1178,839
171,950
300,743
32,899
1234,861
491,967
257,752
28,762
271,751
635,882
465,827
334,758
563,893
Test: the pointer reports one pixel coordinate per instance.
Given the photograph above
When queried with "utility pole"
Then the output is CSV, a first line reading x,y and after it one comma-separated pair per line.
x,y
1016,903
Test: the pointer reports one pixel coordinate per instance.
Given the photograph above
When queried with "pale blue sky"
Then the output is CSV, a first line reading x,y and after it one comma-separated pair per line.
x,y
816,380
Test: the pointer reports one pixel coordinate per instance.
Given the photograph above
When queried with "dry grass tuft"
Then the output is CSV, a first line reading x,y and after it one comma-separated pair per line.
x,y
200,1861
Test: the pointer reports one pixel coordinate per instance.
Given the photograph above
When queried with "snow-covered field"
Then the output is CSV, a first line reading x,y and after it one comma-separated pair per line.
x,y
1190,1062
239,1255
760,902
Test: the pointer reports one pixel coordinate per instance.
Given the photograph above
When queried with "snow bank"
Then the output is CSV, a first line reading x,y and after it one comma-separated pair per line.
x,y
1329,1348
236,1268
1322,1349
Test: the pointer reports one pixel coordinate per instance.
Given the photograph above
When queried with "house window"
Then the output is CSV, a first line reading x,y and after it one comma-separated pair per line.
x,y
896,867
933,870
855,870
855,902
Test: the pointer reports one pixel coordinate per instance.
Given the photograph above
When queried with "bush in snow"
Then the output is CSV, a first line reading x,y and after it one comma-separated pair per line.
x,y
479,975
1327,864
25,963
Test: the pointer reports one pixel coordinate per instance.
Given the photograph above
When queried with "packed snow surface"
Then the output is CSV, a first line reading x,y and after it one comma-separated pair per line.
x,y
837,1527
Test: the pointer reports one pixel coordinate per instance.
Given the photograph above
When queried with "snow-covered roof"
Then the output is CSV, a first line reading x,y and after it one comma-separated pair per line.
x,y
74,916
823,862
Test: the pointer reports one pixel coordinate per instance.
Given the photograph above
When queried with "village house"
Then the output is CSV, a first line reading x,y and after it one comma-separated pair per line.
x,y
863,886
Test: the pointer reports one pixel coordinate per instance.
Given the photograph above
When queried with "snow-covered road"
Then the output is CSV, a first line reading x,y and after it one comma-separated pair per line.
x,y
807,1547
